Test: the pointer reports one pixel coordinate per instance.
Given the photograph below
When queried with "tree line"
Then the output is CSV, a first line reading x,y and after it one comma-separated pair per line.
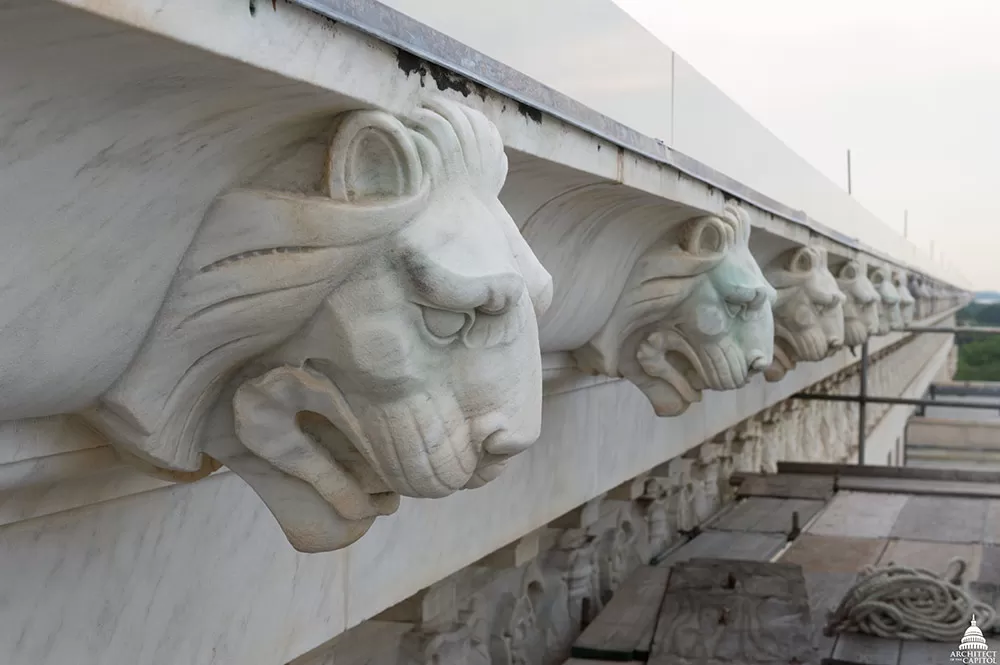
x,y
978,355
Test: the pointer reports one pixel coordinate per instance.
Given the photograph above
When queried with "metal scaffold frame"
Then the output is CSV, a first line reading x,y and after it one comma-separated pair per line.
x,y
863,398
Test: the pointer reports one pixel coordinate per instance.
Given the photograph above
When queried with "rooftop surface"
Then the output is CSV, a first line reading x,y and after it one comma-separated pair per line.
x,y
832,521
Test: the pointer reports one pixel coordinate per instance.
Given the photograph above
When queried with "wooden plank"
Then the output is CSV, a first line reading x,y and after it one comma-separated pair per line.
x,y
767,514
787,486
751,578
922,487
867,650
932,556
745,514
991,534
833,554
728,545
707,619
871,471
628,618
825,591
942,519
989,567
859,515
987,592
780,521
588,661
919,652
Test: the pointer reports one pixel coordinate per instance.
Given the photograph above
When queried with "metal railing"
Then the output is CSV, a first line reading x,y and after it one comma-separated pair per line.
x,y
863,398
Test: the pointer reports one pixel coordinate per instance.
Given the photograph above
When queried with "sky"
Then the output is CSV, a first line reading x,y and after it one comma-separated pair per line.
x,y
911,87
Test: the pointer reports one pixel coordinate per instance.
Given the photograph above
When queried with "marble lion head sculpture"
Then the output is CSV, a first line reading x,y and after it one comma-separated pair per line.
x,y
862,303
360,324
695,314
889,315
809,311
907,303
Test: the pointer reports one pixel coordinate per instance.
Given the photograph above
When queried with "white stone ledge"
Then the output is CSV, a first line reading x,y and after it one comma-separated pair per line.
x,y
181,553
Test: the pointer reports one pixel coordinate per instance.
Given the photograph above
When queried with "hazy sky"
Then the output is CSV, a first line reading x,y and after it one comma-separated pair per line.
x,y
912,87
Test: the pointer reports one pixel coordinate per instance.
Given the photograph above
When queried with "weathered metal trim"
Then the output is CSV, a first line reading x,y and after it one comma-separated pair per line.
x,y
975,330
898,401
405,33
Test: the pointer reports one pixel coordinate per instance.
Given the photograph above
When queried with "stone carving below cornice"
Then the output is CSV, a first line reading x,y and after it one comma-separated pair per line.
x,y
907,303
695,314
809,312
356,325
861,304
889,316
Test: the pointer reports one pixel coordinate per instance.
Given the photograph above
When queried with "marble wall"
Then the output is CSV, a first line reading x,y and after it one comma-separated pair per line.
x,y
530,613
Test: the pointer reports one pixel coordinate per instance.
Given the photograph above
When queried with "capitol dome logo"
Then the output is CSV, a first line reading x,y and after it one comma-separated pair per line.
x,y
973,649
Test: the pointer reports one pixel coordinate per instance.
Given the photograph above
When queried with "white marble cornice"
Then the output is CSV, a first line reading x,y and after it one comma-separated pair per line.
x,y
218,221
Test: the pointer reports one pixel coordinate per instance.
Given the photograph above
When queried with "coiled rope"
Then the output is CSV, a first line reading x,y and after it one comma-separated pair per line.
x,y
899,602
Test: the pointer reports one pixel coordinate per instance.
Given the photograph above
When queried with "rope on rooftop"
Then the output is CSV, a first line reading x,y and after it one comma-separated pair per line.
x,y
898,602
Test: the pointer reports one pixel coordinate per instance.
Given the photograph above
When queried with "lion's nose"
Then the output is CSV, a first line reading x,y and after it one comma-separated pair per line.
x,y
758,361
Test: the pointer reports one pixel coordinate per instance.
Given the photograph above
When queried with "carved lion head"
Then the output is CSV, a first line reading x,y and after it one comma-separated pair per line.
x,y
889,316
695,314
364,331
809,312
907,303
861,305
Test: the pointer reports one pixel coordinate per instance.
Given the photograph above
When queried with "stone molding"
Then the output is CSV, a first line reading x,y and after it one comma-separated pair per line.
x,y
378,289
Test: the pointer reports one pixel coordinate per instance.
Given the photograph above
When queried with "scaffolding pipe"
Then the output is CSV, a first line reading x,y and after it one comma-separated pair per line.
x,y
974,330
862,402
898,401
863,398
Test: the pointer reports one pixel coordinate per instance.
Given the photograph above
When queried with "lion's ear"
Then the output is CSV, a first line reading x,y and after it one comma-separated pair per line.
x,y
706,237
804,260
849,272
372,157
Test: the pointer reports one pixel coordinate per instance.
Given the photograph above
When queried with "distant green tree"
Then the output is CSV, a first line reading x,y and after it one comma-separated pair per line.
x,y
984,314
978,356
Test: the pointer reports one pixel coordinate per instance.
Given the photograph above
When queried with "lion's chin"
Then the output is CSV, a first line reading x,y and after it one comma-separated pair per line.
x,y
490,467
424,446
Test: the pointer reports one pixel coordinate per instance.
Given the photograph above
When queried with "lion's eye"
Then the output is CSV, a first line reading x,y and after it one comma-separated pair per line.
x,y
442,323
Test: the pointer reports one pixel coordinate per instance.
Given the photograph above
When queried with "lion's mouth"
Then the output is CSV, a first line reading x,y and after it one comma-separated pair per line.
x,y
421,445
668,356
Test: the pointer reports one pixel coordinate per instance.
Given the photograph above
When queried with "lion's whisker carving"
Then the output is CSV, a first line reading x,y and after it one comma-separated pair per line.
x,y
361,333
